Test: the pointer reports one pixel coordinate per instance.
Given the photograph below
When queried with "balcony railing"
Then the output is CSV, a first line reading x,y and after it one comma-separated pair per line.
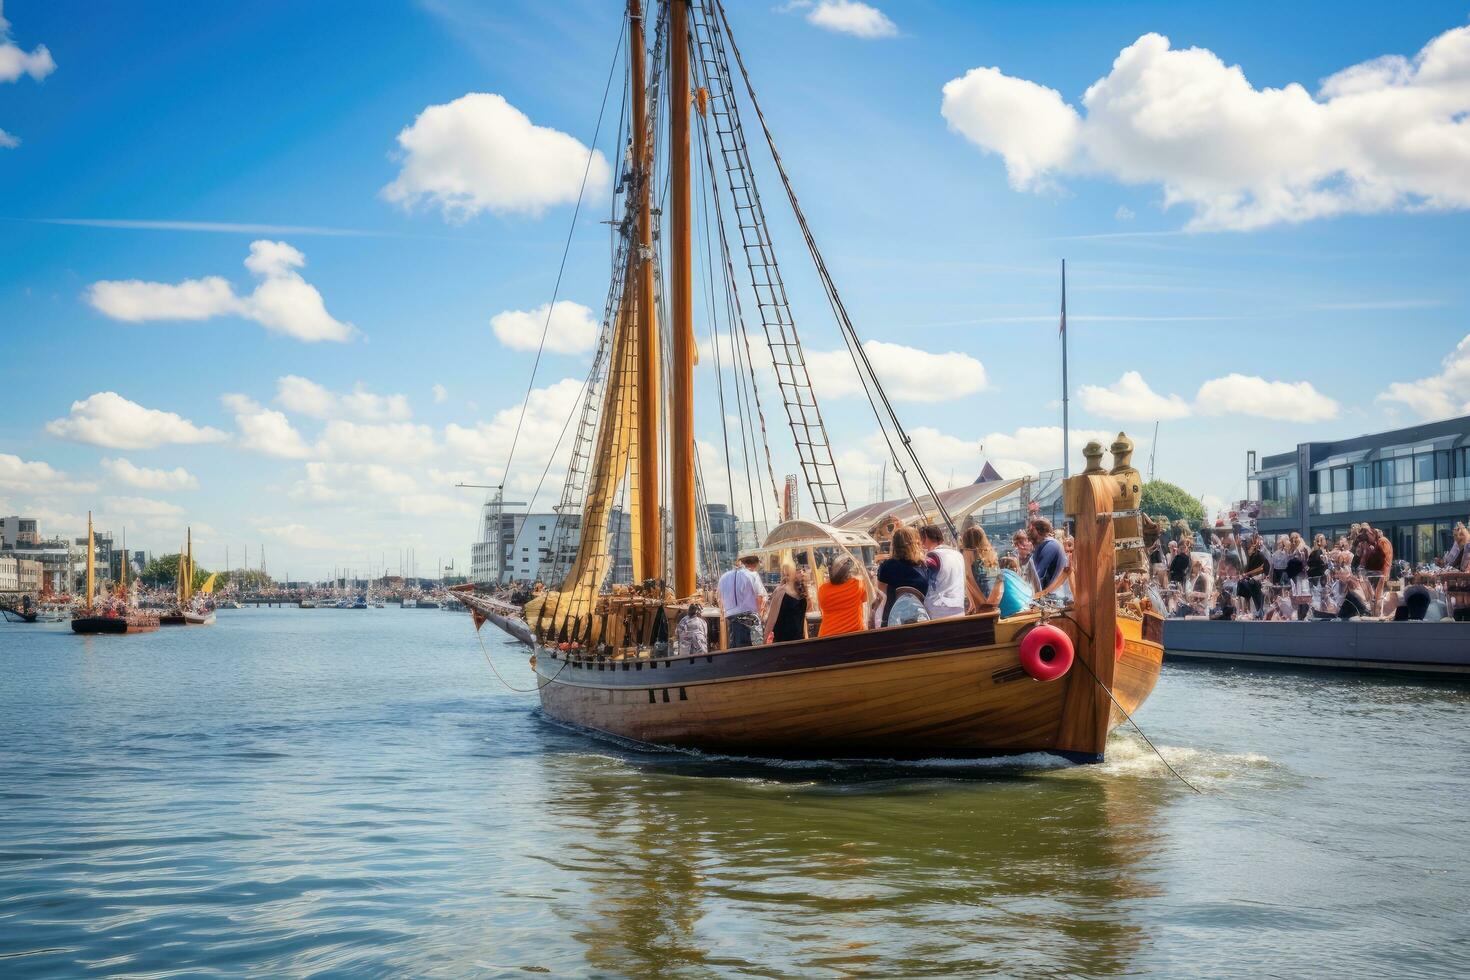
x,y
1282,507
1418,494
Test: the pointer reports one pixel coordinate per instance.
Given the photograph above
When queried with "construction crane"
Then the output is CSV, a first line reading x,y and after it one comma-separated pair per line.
x,y
495,507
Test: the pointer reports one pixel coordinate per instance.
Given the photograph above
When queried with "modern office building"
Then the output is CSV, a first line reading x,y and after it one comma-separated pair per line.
x,y
1413,483
18,532
724,532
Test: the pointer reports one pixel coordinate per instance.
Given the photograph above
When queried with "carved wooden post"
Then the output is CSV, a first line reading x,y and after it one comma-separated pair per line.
x,y
1088,499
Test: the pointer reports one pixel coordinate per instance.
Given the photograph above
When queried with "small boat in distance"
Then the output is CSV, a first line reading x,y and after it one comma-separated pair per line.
x,y
117,616
188,610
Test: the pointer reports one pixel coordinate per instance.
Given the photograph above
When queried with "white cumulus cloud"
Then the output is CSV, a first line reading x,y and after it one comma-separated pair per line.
x,y
302,395
1439,396
907,373
851,17
441,394
573,329
15,61
141,507
264,430
108,419
1386,134
1130,399
22,474
283,302
124,471
1248,395
489,443
398,441
480,153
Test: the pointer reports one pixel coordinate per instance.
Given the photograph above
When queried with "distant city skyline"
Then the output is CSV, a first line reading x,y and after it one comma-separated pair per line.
x,y
259,283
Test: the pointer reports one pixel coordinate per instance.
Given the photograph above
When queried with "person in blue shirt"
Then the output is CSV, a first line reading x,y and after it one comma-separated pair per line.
x,y
1016,593
1048,557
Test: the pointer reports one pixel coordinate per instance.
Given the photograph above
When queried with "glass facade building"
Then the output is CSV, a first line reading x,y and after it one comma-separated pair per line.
x,y
1413,483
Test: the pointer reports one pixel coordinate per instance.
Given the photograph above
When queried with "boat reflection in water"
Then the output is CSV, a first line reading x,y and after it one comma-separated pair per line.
x,y
838,870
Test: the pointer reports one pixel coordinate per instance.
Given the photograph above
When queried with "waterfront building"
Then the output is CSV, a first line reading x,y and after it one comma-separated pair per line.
x,y
18,574
724,532
1413,483
530,552
18,532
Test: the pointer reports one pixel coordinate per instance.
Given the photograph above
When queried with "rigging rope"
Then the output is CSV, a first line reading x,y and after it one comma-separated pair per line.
x,y
566,250
839,310
501,678
1136,727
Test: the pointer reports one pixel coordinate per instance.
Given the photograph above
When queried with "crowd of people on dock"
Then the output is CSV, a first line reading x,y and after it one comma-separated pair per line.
x,y
1232,572
1221,572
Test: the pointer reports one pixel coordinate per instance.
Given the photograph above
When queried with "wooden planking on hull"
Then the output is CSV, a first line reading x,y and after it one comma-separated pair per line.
x,y
910,692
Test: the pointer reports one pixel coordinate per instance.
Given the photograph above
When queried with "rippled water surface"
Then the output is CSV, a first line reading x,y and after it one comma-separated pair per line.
x,y
299,791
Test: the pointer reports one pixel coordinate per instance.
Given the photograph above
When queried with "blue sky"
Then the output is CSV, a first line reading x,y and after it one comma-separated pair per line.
x,y
1313,254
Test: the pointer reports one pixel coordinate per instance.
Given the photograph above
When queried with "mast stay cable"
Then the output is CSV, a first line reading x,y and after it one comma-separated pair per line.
x,y
566,250
839,309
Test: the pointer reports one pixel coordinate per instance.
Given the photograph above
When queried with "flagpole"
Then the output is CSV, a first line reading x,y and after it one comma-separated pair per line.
x,y
1066,447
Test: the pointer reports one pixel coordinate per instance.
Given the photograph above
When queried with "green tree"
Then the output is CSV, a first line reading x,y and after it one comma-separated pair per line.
x,y
1165,500
164,571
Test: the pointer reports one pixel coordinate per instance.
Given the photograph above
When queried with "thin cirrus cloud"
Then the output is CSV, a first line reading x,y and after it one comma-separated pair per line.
x,y
572,329
846,17
302,395
108,419
480,153
283,302
145,478
1383,135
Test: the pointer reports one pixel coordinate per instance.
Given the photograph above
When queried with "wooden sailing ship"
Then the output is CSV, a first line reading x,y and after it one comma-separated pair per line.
x,y
604,657
117,615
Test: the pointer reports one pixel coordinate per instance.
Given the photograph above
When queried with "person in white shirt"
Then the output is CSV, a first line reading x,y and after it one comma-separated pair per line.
x,y
946,595
742,602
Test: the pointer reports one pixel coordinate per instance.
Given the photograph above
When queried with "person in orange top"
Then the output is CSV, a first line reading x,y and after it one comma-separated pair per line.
x,y
843,600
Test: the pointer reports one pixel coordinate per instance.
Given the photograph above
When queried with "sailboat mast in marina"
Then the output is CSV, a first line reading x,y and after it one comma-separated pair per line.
x,y
1057,677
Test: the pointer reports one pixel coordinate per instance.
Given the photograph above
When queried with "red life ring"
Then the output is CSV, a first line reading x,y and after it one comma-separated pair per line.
x,y
1046,652
1117,642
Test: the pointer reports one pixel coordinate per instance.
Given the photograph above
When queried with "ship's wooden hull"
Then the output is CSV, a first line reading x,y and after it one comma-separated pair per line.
x,y
113,625
950,688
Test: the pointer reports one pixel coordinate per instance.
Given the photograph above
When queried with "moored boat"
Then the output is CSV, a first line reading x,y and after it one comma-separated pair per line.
x,y
115,616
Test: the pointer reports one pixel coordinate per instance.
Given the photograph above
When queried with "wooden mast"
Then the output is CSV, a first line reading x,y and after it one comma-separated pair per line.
x,y
648,549
681,397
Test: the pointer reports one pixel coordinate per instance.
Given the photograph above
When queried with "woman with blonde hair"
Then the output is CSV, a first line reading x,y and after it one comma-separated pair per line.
x,y
904,570
983,585
786,610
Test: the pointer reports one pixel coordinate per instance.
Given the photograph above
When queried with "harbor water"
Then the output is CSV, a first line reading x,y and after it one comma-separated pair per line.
x,y
354,792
